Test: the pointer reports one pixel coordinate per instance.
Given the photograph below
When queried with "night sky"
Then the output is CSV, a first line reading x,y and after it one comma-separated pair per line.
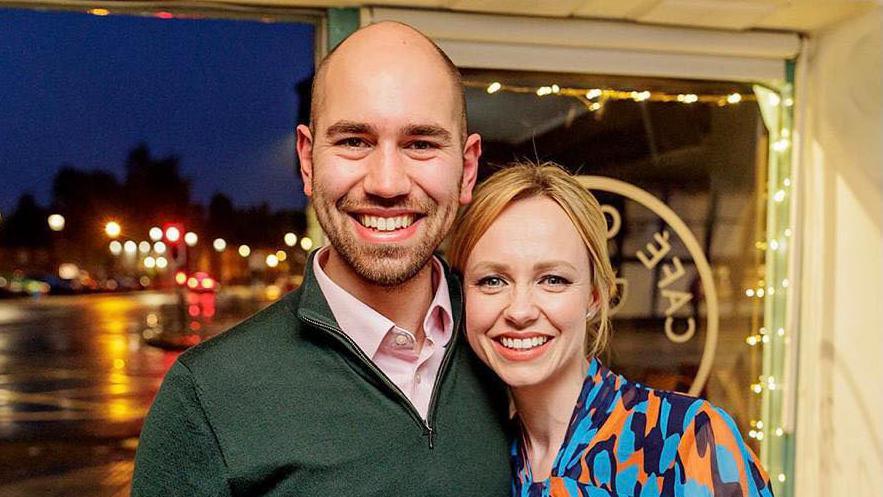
x,y
83,90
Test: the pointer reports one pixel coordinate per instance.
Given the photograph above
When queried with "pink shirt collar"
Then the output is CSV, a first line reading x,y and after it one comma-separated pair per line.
x,y
367,327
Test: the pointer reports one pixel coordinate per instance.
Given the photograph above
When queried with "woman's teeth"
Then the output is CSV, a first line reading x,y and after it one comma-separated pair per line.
x,y
523,343
386,223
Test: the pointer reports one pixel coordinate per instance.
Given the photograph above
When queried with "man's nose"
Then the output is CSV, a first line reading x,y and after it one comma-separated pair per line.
x,y
522,310
387,174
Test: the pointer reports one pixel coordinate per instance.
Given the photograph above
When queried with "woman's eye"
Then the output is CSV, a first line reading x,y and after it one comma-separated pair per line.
x,y
491,282
554,280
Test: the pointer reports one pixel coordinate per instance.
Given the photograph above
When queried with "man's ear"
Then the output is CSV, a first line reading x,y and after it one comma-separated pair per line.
x,y
471,154
305,157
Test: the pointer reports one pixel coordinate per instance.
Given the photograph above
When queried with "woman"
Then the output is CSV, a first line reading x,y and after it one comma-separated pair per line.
x,y
532,251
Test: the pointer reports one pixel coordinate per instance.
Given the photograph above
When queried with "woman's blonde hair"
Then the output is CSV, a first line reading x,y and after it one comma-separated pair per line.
x,y
522,180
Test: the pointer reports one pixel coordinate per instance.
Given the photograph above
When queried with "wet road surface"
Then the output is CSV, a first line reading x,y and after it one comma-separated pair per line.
x,y
78,374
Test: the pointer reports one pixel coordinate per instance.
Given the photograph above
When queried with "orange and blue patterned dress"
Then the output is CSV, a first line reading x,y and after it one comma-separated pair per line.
x,y
628,440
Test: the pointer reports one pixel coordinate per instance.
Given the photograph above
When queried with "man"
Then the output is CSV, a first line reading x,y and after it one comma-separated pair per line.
x,y
356,383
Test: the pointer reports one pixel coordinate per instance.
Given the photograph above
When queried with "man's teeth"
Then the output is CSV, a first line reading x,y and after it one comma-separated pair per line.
x,y
523,343
386,223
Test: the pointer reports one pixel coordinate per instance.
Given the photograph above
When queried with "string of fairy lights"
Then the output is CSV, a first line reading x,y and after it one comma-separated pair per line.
x,y
770,291
595,98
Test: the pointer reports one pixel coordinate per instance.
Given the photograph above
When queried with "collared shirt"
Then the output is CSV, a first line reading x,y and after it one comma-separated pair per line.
x,y
627,440
392,348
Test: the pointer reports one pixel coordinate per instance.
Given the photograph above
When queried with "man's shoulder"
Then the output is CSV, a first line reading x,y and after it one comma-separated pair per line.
x,y
265,331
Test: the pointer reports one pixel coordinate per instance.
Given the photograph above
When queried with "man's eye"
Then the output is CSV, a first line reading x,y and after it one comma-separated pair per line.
x,y
352,142
421,145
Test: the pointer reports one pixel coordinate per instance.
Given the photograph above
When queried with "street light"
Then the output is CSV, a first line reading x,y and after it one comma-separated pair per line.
x,y
290,239
173,234
155,234
219,244
130,247
159,247
116,247
190,238
306,243
113,229
244,250
272,260
56,222
144,247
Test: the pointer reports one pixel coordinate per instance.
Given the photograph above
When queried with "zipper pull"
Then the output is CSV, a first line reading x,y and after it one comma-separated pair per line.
x,y
431,437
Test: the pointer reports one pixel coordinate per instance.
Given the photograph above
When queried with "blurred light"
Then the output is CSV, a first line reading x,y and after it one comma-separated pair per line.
x,y
734,98
640,96
56,222
556,88
155,234
787,182
98,12
152,320
594,93
68,271
208,283
281,255
774,245
116,247
779,432
494,87
192,282
760,292
543,91
149,262
749,292
688,98
780,332
219,244
272,260
190,238
751,340
159,247
173,234
164,15
779,196
781,144
244,250
145,281
290,239
130,247
789,102
3,282
306,243
595,106
180,277
119,364
781,475
113,229
144,247
273,292
786,283
788,232
162,262
111,284
774,99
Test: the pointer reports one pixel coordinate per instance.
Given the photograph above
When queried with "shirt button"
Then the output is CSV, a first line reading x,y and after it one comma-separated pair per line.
x,y
401,340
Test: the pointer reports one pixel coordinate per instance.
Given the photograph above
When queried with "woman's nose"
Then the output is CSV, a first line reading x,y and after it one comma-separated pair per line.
x,y
522,310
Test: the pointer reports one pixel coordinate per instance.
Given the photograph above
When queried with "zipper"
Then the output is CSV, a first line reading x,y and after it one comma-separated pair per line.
x,y
425,424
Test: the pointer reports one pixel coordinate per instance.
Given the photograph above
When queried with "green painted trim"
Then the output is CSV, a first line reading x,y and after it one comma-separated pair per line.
x,y
341,23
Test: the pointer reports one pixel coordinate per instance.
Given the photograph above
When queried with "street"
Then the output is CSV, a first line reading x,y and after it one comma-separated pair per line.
x,y
77,376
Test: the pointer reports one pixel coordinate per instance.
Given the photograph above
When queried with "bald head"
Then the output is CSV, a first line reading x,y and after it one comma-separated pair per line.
x,y
396,48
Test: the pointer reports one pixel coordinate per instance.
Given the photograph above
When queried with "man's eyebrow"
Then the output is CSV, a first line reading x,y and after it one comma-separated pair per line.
x,y
348,128
428,130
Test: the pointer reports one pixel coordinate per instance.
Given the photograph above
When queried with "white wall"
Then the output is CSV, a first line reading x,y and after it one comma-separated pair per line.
x,y
839,438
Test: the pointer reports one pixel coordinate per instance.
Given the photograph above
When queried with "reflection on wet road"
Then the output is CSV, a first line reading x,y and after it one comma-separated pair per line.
x,y
77,374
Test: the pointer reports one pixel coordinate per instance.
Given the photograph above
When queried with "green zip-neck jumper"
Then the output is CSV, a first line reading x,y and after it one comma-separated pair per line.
x,y
286,404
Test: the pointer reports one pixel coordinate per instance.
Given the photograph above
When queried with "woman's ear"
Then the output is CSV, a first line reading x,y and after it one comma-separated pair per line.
x,y
594,304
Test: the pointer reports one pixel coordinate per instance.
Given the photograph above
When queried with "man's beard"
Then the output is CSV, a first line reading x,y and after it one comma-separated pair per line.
x,y
386,265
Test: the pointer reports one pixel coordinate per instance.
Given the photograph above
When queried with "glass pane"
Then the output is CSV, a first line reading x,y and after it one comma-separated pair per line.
x,y
686,212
